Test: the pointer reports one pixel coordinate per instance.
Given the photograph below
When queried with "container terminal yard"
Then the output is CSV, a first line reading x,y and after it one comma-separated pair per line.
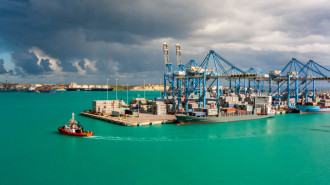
x,y
194,90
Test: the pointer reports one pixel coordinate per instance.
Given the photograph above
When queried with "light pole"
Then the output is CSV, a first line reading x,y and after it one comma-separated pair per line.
x,y
138,105
160,86
107,88
116,88
127,94
144,88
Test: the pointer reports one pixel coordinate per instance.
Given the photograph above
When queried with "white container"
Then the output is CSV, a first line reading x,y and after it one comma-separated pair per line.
x,y
212,112
235,99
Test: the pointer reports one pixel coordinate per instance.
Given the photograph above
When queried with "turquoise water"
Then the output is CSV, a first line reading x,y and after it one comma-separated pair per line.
x,y
288,149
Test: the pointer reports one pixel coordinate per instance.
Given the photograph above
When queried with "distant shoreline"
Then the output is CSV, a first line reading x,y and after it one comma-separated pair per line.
x,y
64,87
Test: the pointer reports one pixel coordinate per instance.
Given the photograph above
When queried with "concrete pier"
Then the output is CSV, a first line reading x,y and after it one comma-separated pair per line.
x,y
138,120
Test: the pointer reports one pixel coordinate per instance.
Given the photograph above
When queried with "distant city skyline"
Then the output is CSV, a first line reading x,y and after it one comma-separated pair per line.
x,y
89,41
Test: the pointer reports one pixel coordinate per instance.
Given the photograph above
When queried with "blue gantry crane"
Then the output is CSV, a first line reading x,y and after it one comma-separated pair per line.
x,y
297,76
204,78
312,72
201,83
258,84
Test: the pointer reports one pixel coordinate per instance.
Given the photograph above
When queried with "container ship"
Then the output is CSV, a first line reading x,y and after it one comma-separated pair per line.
x,y
309,107
260,110
76,87
101,89
200,118
47,90
305,109
89,89
322,107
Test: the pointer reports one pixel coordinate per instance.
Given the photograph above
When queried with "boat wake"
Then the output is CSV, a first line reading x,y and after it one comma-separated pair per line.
x,y
136,139
167,138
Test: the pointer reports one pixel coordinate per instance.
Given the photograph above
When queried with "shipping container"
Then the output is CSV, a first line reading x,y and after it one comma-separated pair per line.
x,y
198,114
212,112
231,105
229,109
192,105
129,112
115,113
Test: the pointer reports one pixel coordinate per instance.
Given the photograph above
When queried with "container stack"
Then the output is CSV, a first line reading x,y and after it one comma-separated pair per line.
x,y
211,112
146,108
197,114
283,104
324,103
235,99
192,105
258,110
211,104
241,97
227,101
101,106
169,108
229,110
159,108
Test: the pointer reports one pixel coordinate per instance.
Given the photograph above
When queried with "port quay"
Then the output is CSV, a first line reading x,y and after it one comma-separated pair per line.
x,y
192,91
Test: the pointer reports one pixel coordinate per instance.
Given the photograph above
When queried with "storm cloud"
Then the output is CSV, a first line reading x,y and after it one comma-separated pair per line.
x,y
27,63
2,67
124,38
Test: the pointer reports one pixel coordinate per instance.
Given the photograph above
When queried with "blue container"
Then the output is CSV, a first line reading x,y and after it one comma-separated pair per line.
x,y
198,114
231,105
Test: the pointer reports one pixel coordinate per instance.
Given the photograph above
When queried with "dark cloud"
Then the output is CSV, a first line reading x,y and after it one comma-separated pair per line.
x,y
26,63
82,64
68,67
2,67
45,64
125,37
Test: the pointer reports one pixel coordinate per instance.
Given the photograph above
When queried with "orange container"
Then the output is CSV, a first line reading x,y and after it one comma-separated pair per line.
x,y
231,109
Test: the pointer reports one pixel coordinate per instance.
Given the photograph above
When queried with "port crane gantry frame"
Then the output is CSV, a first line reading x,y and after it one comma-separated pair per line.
x,y
195,82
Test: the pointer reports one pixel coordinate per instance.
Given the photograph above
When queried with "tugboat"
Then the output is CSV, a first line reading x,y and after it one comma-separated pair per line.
x,y
74,129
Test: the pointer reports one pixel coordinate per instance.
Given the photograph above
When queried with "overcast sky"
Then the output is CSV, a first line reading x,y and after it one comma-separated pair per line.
x,y
87,41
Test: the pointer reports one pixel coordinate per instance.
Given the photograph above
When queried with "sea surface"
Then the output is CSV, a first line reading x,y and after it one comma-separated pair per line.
x,y
288,149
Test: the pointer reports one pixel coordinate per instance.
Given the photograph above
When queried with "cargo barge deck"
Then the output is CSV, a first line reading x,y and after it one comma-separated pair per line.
x,y
142,119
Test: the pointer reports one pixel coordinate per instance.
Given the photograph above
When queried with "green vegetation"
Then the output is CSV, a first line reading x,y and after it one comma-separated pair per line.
x,y
120,87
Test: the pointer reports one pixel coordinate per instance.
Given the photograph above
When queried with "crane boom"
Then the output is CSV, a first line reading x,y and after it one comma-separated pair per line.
x,y
178,54
165,49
